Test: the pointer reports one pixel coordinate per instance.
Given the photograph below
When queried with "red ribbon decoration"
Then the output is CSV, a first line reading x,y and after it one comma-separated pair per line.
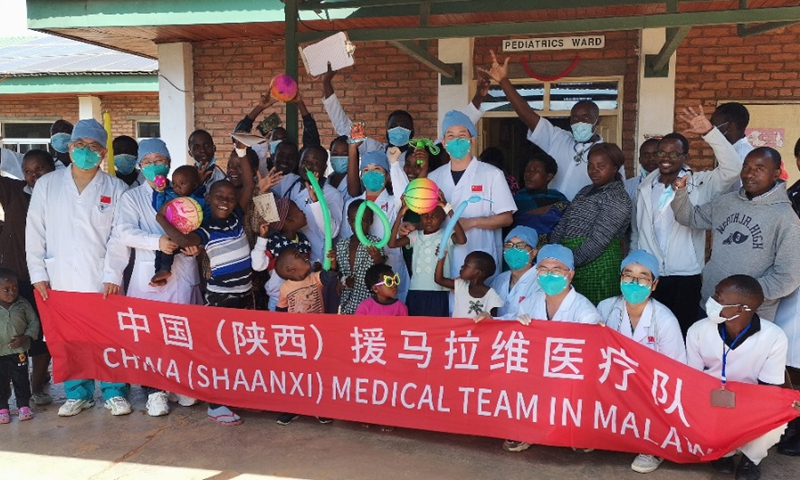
x,y
554,77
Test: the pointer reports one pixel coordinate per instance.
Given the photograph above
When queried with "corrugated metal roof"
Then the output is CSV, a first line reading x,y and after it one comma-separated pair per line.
x,y
51,55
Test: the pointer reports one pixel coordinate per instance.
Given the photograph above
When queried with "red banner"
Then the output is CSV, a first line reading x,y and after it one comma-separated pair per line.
x,y
548,383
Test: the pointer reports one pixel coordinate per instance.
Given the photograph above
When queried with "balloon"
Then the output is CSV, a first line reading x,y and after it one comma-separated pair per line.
x,y
185,214
109,145
451,225
387,228
283,88
422,195
326,215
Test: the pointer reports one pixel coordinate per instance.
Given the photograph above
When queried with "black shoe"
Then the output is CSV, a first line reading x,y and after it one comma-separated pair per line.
x,y
324,420
723,465
286,418
790,441
747,470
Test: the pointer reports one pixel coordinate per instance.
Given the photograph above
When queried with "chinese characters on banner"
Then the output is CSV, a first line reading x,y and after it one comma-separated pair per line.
x,y
548,383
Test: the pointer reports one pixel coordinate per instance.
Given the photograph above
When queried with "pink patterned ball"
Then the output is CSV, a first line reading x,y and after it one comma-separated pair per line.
x,y
283,88
184,213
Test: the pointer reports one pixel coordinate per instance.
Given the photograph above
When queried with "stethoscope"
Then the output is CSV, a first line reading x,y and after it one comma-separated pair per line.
x,y
619,305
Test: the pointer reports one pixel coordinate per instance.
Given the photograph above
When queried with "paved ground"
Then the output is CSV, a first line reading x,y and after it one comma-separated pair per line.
x,y
187,446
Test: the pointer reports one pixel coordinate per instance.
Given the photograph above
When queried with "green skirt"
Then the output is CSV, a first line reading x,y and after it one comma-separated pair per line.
x,y
598,279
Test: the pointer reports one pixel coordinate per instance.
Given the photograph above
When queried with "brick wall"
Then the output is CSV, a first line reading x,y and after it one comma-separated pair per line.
x,y
123,108
620,55
231,76
714,64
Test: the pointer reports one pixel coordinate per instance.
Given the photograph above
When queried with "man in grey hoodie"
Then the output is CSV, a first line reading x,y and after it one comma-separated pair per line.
x,y
755,230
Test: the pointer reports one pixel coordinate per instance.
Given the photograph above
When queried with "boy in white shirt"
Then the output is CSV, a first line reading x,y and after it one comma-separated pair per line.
x,y
733,343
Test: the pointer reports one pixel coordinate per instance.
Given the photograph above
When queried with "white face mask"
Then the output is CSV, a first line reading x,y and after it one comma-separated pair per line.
x,y
714,311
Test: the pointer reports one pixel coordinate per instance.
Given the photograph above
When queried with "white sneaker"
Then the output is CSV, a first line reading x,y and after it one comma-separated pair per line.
x,y
182,400
73,407
157,404
118,406
646,463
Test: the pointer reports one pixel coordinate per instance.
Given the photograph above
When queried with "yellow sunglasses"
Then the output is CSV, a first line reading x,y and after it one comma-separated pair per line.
x,y
390,280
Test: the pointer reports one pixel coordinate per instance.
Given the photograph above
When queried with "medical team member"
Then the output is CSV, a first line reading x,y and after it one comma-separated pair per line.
x,y
137,228
644,320
519,283
67,243
464,177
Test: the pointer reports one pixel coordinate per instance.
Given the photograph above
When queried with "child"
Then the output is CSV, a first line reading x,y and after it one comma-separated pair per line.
x,y
644,320
426,298
18,326
354,259
473,298
304,291
383,283
185,183
734,338
222,235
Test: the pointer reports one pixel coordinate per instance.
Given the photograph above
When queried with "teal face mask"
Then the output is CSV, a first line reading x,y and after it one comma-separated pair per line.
x,y
124,163
552,284
516,259
582,131
458,148
339,164
399,136
154,170
85,158
634,293
373,180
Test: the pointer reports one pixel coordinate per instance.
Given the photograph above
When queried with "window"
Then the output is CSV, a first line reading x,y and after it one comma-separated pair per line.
x,y
148,129
23,136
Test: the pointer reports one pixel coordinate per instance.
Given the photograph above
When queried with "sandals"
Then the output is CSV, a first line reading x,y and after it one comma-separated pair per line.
x,y
25,414
224,417
5,416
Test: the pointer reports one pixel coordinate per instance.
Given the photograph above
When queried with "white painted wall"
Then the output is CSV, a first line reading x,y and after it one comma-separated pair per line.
x,y
176,99
90,107
656,110
455,97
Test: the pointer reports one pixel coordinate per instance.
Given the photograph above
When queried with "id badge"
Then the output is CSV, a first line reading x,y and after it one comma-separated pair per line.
x,y
723,398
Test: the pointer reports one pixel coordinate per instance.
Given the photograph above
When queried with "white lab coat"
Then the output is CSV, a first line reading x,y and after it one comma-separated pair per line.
x,y
68,236
136,227
390,205
526,286
561,145
281,189
315,227
574,309
489,183
658,328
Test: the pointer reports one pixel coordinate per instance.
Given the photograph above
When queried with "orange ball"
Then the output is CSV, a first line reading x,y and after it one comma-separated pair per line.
x,y
283,88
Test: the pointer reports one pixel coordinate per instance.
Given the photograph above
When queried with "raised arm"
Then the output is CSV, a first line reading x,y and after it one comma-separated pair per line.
x,y
698,217
246,124
499,73
248,184
397,240
341,122
438,275
353,177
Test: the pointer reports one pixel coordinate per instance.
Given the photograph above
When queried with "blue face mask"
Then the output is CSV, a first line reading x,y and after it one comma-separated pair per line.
x,y
399,136
339,164
199,166
582,131
517,259
154,170
458,148
59,142
273,146
373,180
124,163
552,284
85,158
634,293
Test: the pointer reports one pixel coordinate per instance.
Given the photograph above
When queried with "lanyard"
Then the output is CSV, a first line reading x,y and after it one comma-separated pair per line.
x,y
725,352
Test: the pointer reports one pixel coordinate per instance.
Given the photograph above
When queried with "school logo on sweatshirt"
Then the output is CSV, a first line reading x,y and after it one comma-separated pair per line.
x,y
730,229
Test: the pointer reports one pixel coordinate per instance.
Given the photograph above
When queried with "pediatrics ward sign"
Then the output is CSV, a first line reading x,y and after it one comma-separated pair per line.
x,y
549,383
554,43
